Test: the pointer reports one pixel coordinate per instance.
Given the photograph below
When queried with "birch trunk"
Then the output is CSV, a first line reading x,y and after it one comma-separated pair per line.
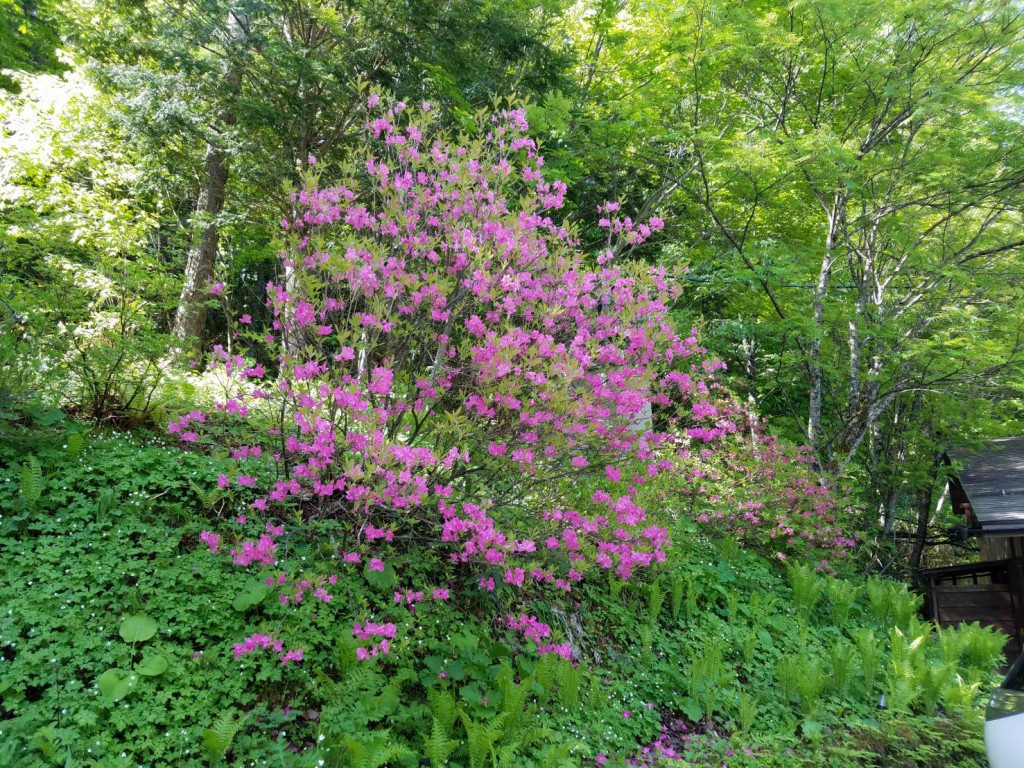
x,y
814,348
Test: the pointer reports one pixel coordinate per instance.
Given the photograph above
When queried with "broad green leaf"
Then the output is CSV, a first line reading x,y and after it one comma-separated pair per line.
x,y
137,629
465,641
115,684
382,580
690,708
151,666
726,575
455,670
253,594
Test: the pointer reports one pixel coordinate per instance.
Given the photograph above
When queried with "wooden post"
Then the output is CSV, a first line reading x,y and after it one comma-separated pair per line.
x,y
932,599
1015,573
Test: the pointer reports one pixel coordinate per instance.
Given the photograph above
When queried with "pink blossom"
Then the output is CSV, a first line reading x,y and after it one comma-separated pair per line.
x,y
212,540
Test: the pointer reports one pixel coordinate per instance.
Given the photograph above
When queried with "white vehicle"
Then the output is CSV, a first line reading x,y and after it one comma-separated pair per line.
x,y
1004,721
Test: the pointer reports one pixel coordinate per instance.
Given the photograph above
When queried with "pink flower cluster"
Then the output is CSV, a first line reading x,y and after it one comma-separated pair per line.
x,y
299,587
536,630
212,540
258,641
260,551
371,631
180,427
767,496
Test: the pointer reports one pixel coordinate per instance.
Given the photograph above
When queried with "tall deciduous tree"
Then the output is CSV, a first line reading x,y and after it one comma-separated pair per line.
x,y
860,166
272,84
190,317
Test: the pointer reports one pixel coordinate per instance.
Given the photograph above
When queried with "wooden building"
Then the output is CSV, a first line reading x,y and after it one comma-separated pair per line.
x,y
989,491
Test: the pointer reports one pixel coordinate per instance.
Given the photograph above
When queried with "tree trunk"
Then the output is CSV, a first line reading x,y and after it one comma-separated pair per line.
x,y
818,311
294,337
190,317
924,514
814,366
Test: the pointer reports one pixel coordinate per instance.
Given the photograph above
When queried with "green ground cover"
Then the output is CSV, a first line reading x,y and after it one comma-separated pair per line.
x,y
118,627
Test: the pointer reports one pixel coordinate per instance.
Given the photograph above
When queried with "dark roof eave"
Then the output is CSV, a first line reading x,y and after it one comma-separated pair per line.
x,y
1015,528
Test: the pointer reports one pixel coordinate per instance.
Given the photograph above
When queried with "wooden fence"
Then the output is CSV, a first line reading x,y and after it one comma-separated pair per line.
x,y
990,593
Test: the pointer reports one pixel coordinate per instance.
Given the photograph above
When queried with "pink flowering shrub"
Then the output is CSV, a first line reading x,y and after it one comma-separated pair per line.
x,y
453,369
766,495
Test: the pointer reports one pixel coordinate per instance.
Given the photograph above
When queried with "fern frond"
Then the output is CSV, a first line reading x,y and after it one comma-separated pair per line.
x,y
570,679
655,600
443,707
438,745
506,757
513,696
217,738
544,673
481,738
678,587
31,482
355,751
555,755
75,444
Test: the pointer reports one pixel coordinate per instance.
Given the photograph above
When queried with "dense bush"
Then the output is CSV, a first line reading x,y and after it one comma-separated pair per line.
x,y
454,370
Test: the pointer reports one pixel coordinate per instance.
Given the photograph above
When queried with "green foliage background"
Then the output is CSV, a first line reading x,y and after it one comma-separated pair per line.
x,y
740,124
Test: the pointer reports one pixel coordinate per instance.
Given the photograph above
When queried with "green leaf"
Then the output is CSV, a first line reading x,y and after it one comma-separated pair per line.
x,y
254,593
811,729
455,670
382,580
49,418
465,641
115,684
137,629
690,708
471,693
151,666
726,575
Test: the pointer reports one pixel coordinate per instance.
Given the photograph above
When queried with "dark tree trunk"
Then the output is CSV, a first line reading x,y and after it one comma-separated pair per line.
x,y
190,319
924,514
